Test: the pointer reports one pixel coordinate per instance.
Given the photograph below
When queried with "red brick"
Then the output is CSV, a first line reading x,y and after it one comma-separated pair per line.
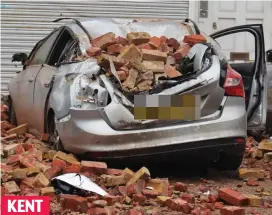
x,y
19,149
29,181
27,161
171,72
11,187
164,39
93,51
27,146
218,205
164,48
182,52
6,125
190,198
97,168
174,43
136,187
138,37
37,154
114,172
74,168
27,135
121,40
232,197
87,174
104,40
111,200
97,211
145,46
178,205
122,190
52,172
252,182
232,210
74,203
171,189
3,191
206,211
122,75
5,168
196,211
139,198
212,198
179,186
155,42
59,163
150,194
114,49
44,137
133,212
194,38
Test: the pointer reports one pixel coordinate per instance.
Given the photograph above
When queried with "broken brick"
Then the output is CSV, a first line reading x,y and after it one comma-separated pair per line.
x,y
254,201
182,52
13,159
154,55
5,168
154,66
155,41
136,187
18,174
268,157
139,198
160,185
122,75
53,172
144,85
37,154
232,197
74,203
251,173
41,180
164,39
173,43
21,129
19,149
67,158
29,181
104,61
145,46
171,72
59,163
170,60
74,168
265,145
162,199
116,172
104,40
178,205
113,180
218,205
47,191
179,186
27,146
150,194
10,137
98,211
121,40
32,171
131,53
232,210
165,48
138,37
122,190
11,187
190,198
133,212
94,167
131,79
27,161
93,51
142,173
252,182
194,39
114,49
111,200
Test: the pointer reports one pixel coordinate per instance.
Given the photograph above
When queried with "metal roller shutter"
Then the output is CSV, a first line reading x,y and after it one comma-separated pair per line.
x,y
24,23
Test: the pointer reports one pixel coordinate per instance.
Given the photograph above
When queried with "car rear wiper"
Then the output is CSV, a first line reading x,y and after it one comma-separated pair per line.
x,y
79,24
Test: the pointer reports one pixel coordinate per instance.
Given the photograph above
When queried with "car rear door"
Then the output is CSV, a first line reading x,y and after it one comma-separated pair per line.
x,y
254,74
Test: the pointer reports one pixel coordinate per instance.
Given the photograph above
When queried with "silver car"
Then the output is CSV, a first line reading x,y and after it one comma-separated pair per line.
x,y
47,95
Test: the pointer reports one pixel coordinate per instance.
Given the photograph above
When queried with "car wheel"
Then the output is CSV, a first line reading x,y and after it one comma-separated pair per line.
x,y
229,162
54,138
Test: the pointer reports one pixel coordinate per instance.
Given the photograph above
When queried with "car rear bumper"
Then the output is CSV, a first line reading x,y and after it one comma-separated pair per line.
x,y
85,131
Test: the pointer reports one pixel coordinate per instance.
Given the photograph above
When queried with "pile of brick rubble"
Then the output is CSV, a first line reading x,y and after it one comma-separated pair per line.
x,y
28,165
140,59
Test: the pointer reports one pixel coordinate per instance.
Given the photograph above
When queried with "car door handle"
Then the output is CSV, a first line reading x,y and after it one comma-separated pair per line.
x,y
30,80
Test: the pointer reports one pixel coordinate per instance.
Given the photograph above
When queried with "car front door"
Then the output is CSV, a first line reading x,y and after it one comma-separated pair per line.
x,y
251,65
45,77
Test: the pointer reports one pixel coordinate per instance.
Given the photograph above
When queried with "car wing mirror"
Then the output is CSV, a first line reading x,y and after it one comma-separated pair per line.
x,y
20,57
269,56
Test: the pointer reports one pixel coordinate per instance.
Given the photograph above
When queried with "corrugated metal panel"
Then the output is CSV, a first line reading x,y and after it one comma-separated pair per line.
x,y
24,23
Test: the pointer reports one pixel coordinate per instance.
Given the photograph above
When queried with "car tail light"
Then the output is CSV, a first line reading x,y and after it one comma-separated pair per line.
x,y
234,83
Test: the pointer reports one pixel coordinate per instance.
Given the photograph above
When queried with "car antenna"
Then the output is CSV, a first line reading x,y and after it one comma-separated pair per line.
x,y
195,25
78,23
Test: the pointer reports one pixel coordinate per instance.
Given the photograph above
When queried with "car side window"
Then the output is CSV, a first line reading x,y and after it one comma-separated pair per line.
x,y
40,55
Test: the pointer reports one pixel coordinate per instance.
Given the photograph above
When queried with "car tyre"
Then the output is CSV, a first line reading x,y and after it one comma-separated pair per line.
x,y
54,138
229,162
